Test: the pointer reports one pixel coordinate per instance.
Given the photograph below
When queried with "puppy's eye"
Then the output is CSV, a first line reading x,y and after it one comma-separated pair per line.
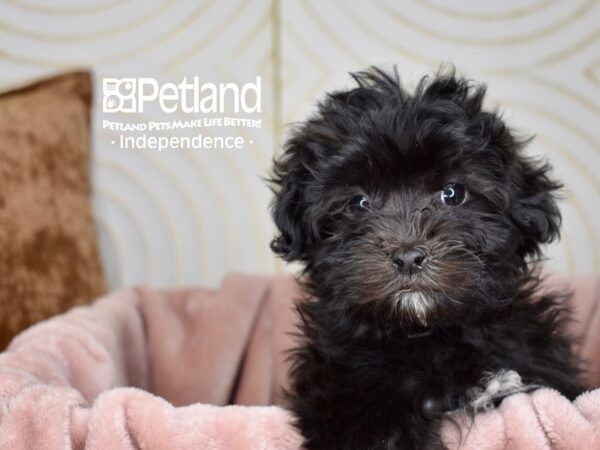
x,y
453,194
360,202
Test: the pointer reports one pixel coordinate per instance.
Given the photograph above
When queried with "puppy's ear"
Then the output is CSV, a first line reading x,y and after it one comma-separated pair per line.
x,y
289,206
532,193
534,210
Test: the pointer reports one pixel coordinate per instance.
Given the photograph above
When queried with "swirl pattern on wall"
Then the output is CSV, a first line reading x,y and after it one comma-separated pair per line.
x,y
188,217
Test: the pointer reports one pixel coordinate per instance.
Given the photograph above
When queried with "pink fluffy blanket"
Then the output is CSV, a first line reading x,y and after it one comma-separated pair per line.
x,y
149,369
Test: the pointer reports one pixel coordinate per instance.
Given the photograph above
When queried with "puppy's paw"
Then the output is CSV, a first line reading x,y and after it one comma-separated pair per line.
x,y
496,386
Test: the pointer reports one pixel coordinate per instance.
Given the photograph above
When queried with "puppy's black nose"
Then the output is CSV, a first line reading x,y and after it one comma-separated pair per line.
x,y
409,261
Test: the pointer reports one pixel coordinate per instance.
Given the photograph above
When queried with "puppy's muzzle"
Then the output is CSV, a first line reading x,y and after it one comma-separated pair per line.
x,y
409,261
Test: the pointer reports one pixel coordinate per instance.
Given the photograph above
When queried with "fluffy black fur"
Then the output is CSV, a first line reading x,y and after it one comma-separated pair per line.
x,y
361,179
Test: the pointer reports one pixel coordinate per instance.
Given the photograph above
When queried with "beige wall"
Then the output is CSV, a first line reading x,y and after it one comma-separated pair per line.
x,y
189,217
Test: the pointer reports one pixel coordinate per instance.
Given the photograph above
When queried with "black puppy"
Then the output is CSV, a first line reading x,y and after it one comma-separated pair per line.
x,y
416,217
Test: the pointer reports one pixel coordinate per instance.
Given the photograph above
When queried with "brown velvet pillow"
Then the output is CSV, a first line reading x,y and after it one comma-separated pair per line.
x,y
49,258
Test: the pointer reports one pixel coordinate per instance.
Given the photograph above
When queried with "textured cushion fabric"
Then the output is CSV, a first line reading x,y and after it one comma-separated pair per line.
x,y
195,368
150,369
49,258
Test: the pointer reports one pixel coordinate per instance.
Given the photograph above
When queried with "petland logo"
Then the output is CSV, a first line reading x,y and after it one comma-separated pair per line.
x,y
131,95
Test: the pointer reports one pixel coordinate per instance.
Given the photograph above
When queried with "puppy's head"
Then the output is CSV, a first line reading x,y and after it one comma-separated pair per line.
x,y
419,206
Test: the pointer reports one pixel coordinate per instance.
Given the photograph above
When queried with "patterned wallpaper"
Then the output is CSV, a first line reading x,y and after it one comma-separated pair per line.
x,y
188,217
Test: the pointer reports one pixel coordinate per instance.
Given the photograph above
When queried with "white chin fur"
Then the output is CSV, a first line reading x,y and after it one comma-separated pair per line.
x,y
415,304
